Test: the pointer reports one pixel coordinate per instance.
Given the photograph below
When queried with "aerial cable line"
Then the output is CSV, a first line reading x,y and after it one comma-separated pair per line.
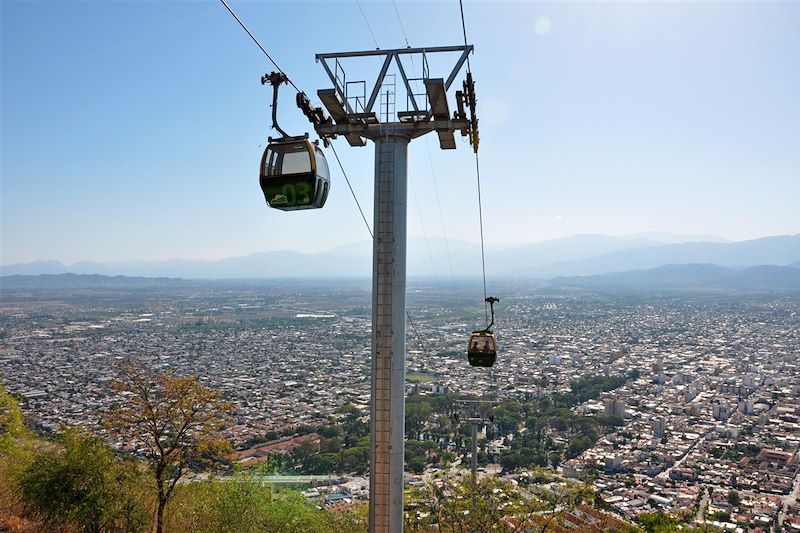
x,y
341,167
364,16
441,215
433,172
416,332
425,233
369,229
478,176
224,3
464,30
364,218
402,28
480,219
430,161
411,181
333,148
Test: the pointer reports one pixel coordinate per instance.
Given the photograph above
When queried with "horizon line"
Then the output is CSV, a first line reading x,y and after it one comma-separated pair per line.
x,y
722,240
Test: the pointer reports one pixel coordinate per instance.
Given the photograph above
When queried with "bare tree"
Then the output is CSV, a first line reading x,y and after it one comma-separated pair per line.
x,y
174,419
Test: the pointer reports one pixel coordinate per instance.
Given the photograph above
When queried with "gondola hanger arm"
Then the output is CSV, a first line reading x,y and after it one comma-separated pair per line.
x,y
491,300
275,79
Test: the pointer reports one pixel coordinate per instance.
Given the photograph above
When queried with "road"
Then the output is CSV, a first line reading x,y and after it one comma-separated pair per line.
x,y
679,462
790,498
702,507
326,479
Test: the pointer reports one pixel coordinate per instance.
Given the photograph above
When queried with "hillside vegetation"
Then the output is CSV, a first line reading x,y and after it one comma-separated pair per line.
x,y
76,482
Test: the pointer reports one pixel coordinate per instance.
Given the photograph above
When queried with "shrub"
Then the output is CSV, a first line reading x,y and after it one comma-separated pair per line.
x,y
80,482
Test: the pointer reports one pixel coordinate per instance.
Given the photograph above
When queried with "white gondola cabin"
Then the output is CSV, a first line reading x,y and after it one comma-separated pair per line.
x,y
294,175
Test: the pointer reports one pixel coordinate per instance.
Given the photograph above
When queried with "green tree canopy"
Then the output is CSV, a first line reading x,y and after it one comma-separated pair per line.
x,y
244,505
12,425
658,523
80,482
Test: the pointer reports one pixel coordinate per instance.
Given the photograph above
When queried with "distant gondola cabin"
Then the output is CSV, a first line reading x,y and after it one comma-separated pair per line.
x,y
482,349
294,175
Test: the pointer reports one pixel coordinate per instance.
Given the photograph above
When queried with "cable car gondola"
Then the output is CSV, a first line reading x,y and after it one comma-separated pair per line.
x,y
294,174
482,345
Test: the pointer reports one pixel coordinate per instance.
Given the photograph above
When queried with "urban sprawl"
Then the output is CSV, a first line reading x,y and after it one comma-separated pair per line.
x,y
708,415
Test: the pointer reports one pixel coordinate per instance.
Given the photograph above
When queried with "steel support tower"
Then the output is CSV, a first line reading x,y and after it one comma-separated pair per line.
x,y
478,414
473,464
387,427
353,117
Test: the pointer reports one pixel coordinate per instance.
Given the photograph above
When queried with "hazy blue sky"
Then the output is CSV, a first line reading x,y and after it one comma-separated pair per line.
x,y
133,130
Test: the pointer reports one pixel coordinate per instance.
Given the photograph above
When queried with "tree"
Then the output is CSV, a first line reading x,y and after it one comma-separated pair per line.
x,y
351,414
483,458
245,505
331,445
81,483
452,506
490,504
658,523
555,460
321,463
12,425
329,432
173,420
417,413
355,459
511,461
416,464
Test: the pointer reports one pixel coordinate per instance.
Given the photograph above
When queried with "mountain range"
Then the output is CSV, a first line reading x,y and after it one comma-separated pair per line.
x,y
578,255
691,276
71,281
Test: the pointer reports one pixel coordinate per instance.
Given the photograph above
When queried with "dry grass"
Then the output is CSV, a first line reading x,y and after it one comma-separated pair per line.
x,y
12,523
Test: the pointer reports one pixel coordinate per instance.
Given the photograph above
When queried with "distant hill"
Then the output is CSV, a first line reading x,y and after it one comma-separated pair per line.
x,y
34,268
81,281
577,248
781,250
673,238
426,257
690,276
577,255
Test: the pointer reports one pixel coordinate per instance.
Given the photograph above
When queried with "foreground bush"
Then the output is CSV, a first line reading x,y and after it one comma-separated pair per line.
x,y
243,505
451,505
79,482
76,483
12,426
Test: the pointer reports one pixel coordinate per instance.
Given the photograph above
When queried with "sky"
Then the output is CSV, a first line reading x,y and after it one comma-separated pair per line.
x,y
133,130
